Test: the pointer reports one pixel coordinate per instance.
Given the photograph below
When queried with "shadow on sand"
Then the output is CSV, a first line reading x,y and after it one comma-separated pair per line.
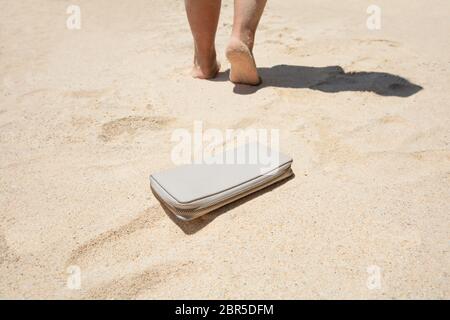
x,y
192,227
327,79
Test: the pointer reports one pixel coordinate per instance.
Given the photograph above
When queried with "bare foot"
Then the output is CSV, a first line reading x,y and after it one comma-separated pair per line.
x,y
205,70
243,68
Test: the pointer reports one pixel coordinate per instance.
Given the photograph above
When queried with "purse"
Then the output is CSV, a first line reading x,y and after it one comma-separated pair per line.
x,y
190,191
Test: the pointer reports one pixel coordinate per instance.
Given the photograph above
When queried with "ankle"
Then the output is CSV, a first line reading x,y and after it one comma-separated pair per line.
x,y
205,58
247,37
205,65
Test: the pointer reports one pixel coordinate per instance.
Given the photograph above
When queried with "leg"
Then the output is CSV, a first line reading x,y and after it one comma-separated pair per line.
x,y
203,16
247,14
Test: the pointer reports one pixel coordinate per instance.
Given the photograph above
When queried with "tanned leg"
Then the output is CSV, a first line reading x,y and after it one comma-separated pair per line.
x,y
247,14
203,16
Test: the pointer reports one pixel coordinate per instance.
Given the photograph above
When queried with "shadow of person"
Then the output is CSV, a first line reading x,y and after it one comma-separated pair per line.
x,y
193,226
328,79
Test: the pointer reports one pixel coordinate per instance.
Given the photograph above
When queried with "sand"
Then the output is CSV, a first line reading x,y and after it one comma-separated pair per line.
x,y
86,115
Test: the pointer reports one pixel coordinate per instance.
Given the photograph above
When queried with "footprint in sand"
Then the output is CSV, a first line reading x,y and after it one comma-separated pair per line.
x,y
132,279
145,220
86,94
389,43
131,125
133,285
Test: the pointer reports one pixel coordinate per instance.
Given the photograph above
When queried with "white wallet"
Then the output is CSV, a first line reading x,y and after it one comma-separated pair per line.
x,y
190,191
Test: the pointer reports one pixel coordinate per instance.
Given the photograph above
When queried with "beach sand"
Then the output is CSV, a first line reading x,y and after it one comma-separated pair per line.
x,y
86,115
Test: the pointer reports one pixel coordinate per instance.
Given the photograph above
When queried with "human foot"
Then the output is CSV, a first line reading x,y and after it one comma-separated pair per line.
x,y
243,68
205,68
